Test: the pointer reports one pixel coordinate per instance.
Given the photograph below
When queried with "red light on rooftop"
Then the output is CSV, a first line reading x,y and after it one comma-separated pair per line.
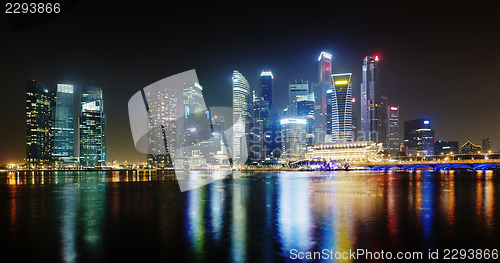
x,y
33,80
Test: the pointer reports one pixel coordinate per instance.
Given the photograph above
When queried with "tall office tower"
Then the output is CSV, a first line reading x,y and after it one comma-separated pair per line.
x,y
419,137
322,115
63,128
242,110
342,107
393,130
486,145
293,132
382,123
266,86
370,86
305,109
296,89
270,127
162,115
355,119
39,111
194,127
92,128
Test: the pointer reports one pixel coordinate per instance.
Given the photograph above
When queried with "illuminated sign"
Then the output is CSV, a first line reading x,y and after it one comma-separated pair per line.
x,y
340,82
426,122
376,58
394,108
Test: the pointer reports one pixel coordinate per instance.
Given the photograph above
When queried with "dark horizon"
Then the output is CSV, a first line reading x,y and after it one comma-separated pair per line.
x,y
436,62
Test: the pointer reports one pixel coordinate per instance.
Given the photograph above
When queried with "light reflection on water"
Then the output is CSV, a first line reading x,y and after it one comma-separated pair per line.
x,y
102,216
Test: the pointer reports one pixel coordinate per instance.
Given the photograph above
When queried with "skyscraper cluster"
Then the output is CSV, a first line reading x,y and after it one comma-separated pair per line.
x,y
54,137
319,112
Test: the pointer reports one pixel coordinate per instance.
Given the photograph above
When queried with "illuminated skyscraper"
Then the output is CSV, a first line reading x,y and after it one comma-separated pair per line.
x,y
242,110
305,109
419,137
39,111
162,114
266,86
393,130
296,89
321,113
355,119
370,86
293,132
92,128
265,128
63,128
342,107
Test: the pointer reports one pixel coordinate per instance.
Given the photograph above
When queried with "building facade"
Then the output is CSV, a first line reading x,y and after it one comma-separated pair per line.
x,y
370,106
356,151
293,132
322,106
419,137
63,128
486,145
39,115
296,89
470,148
92,152
242,114
305,110
342,107
393,130
445,147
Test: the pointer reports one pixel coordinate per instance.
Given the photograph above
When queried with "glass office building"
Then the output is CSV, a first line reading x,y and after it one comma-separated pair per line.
x,y
39,114
63,128
342,107
92,150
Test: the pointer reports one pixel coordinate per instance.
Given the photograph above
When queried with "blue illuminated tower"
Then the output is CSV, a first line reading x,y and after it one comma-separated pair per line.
x,y
63,128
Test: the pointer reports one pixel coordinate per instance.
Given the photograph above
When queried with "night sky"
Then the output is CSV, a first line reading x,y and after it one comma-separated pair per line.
x,y
437,61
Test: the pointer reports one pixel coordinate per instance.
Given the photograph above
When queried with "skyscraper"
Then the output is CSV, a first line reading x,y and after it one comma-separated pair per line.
x,y
419,137
162,113
486,145
266,86
393,130
265,122
305,109
293,131
242,110
296,89
322,115
63,128
370,86
92,128
355,119
39,115
342,107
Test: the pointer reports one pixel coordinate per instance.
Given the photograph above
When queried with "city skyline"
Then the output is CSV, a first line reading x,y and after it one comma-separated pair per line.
x,y
421,61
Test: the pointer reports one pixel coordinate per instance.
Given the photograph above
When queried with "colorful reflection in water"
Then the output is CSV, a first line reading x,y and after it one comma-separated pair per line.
x,y
95,216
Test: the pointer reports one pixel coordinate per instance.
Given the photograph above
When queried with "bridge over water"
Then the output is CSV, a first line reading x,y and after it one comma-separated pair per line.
x,y
435,165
